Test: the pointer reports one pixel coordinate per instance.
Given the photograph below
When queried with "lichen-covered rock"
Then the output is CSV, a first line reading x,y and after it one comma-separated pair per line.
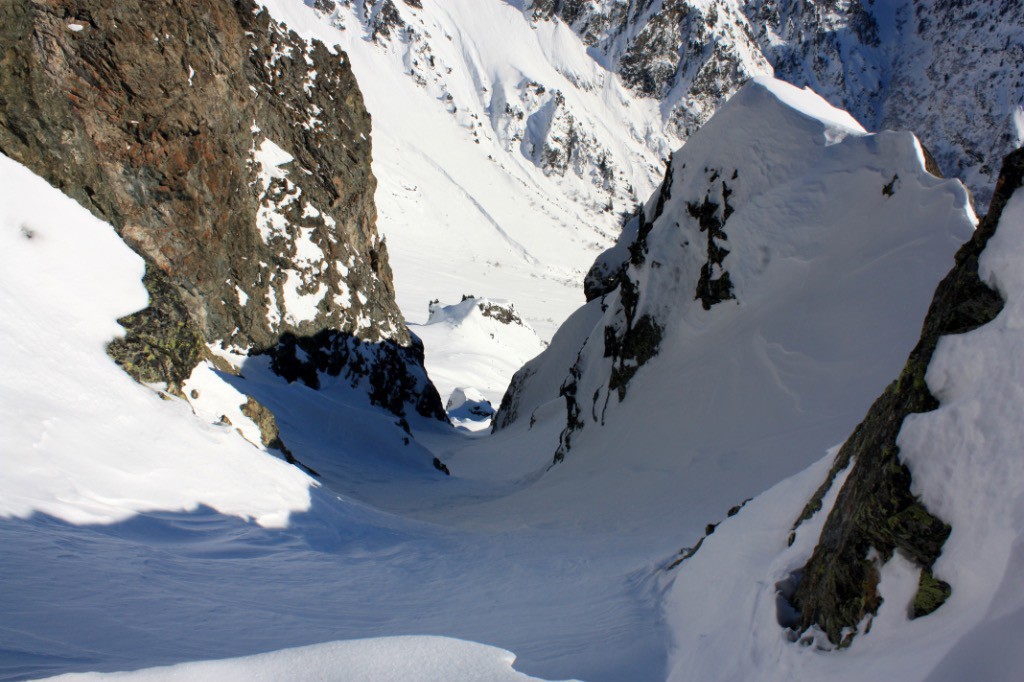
x,y
876,508
161,344
233,155
270,435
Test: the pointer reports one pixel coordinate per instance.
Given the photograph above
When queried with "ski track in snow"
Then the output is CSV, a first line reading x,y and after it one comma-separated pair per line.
x,y
488,219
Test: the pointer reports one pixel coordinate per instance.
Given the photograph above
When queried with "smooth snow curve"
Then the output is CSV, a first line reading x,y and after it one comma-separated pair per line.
x,y
387,659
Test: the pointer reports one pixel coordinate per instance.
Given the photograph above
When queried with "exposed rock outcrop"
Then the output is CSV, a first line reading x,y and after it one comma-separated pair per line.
x,y
234,156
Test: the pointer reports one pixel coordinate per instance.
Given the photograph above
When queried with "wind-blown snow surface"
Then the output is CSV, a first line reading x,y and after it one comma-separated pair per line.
x,y
966,463
498,148
562,567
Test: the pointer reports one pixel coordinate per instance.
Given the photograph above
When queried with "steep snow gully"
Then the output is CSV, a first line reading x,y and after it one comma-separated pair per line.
x,y
628,516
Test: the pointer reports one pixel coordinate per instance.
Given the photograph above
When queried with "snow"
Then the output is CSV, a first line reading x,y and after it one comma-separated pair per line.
x,y
212,400
811,104
81,441
269,158
301,306
385,659
1018,126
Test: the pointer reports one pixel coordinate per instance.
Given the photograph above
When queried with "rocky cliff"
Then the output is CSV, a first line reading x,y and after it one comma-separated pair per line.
x,y
235,157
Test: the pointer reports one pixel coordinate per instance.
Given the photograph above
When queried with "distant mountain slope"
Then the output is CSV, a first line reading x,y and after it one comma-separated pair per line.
x,y
951,71
505,154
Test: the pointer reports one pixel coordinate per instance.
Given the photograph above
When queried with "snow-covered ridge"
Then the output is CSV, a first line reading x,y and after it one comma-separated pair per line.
x,y
739,325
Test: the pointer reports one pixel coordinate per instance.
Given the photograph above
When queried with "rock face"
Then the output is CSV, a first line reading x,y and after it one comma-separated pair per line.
x,y
951,71
876,509
235,157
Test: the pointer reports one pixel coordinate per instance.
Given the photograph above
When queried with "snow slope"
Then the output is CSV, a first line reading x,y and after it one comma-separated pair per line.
x,y
73,423
966,466
478,343
831,274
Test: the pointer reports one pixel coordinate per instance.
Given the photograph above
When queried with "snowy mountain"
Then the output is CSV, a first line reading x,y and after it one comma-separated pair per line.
x,y
508,132
722,251
948,70
505,153
686,478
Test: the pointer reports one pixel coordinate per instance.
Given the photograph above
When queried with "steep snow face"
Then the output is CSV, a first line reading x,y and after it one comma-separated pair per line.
x,y
966,466
775,284
504,152
950,71
80,440
689,55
